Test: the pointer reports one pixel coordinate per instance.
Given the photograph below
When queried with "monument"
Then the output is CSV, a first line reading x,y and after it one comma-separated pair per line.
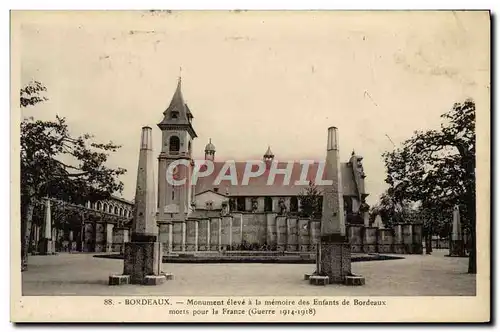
x,y
333,253
143,254
457,247
47,246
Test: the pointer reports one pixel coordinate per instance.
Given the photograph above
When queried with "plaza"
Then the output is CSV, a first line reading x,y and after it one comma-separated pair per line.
x,y
82,274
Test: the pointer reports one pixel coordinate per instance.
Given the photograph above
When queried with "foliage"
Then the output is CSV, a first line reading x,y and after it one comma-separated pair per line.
x,y
437,169
311,200
30,94
391,209
56,164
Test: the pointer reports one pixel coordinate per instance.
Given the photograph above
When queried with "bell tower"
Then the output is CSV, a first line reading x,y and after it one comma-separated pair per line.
x,y
175,163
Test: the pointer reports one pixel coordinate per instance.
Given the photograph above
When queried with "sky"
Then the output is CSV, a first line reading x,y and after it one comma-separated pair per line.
x,y
253,79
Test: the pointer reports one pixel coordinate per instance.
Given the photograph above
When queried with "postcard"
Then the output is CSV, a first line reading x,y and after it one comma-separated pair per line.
x,y
250,166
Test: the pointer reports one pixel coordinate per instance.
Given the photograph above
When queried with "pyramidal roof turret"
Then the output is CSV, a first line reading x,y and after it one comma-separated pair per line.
x,y
178,115
269,153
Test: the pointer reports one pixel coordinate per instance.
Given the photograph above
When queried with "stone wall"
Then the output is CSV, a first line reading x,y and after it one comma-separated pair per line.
x,y
271,232
254,228
247,232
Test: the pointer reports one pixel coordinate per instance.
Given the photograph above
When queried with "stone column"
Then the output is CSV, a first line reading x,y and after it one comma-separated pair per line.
x,y
36,239
241,228
72,242
270,225
143,255
231,232
54,239
457,247
196,235
407,238
370,239
292,234
311,235
170,237
219,242
46,247
277,234
356,237
398,245
334,252
384,240
208,234
109,237
183,241
417,239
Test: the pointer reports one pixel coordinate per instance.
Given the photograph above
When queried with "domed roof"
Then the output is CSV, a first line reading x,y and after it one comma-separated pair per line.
x,y
269,153
210,146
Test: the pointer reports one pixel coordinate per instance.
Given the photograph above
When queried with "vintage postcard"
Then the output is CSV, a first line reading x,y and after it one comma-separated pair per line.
x,y
250,166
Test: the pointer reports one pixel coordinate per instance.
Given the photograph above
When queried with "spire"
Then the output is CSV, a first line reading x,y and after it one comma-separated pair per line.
x,y
269,153
210,150
177,103
178,112
144,222
210,147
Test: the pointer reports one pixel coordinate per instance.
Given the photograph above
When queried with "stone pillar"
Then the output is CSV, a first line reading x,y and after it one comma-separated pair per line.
x,y
398,245
47,245
36,239
281,235
303,234
72,242
292,236
334,254
417,239
55,239
163,236
183,241
457,247
241,228
356,238
100,237
208,234
219,242
109,237
196,235
312,241
231,233
143,255
370,239
270,229
118,239
170,237
278,235
407,238
384,240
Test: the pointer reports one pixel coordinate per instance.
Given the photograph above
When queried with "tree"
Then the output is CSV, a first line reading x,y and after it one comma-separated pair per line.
x,y
30,94
311,201
58,165
437,169
392,208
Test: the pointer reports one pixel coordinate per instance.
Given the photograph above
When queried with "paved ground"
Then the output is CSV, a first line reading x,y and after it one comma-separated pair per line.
x,y
83,274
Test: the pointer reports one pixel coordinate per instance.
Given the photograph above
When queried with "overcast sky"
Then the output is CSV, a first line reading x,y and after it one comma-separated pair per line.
x,y
257,79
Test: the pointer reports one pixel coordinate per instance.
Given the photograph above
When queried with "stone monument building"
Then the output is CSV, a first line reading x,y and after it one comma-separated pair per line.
x,y
209,216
